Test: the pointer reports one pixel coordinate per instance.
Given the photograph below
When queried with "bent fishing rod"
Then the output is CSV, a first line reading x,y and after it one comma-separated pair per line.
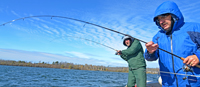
x,y
86,40
96,26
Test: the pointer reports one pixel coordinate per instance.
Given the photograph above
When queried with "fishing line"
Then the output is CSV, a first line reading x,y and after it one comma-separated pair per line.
x,y
184,75
86,40
187,78
51,16
177,74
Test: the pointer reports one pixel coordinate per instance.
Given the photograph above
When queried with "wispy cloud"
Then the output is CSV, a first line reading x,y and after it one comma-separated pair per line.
x,y
94,33
132,19
78,54
31,56
14,13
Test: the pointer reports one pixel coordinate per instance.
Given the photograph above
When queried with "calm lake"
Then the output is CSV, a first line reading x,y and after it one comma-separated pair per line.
x,y
17,76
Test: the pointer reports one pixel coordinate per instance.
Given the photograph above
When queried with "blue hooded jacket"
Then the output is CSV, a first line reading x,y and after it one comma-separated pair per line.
x,y
183,41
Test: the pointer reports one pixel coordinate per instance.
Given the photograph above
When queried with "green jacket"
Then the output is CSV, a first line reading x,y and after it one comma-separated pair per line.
x,y
134,55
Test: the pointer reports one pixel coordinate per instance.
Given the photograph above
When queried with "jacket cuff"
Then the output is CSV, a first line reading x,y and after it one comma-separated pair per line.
x,y
150,57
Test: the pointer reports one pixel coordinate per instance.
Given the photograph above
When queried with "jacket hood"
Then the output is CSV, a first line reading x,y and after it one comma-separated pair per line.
x,y
172,8
127,37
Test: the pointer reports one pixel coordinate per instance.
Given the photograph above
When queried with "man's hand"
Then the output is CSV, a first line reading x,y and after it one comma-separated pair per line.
x,y
118,52
191,60
151,47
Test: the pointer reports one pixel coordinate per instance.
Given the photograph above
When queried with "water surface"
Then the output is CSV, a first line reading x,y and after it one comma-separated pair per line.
x,y
19,76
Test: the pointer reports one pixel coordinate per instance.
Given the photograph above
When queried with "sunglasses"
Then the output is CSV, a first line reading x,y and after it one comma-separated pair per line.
x,y
162,16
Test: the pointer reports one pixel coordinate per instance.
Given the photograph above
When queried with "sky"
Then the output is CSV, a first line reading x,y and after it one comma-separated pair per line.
x,y
46,39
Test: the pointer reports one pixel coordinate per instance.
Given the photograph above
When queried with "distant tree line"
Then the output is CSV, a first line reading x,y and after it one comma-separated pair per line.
x,y
65,65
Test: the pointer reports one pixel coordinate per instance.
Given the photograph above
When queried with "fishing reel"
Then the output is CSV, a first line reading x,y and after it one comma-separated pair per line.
x,y
186,68
118,52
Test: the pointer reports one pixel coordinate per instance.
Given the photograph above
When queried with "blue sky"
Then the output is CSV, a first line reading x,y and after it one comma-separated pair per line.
x,y
44,39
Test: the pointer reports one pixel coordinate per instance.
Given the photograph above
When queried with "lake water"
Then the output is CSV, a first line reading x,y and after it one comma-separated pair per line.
x,y
18,76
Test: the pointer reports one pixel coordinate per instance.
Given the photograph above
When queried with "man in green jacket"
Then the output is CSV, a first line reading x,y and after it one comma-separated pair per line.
x,y
137,65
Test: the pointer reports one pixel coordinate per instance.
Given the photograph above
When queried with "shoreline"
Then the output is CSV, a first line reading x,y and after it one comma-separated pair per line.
x,y
65,65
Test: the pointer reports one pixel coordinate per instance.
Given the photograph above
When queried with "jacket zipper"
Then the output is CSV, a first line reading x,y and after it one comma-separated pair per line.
x,y
173,61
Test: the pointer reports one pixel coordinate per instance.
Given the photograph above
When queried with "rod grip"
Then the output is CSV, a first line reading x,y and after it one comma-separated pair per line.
x,y
182,58
198,66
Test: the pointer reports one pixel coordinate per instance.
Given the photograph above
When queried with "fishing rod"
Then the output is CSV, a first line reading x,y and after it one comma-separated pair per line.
x,y
86,40
96,26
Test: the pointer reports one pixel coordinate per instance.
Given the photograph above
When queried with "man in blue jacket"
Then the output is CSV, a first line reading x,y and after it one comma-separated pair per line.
x,y
180,38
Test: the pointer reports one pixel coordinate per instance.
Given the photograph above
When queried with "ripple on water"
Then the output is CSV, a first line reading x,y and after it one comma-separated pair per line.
x,y
35,76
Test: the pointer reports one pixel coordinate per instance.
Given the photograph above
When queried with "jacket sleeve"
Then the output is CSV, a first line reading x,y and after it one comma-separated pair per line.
x,y
124,57
134,48
153,56
195,37
197,42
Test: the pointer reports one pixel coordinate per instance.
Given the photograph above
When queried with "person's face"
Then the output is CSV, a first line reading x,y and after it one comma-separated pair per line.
x,y
165,21
127,42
